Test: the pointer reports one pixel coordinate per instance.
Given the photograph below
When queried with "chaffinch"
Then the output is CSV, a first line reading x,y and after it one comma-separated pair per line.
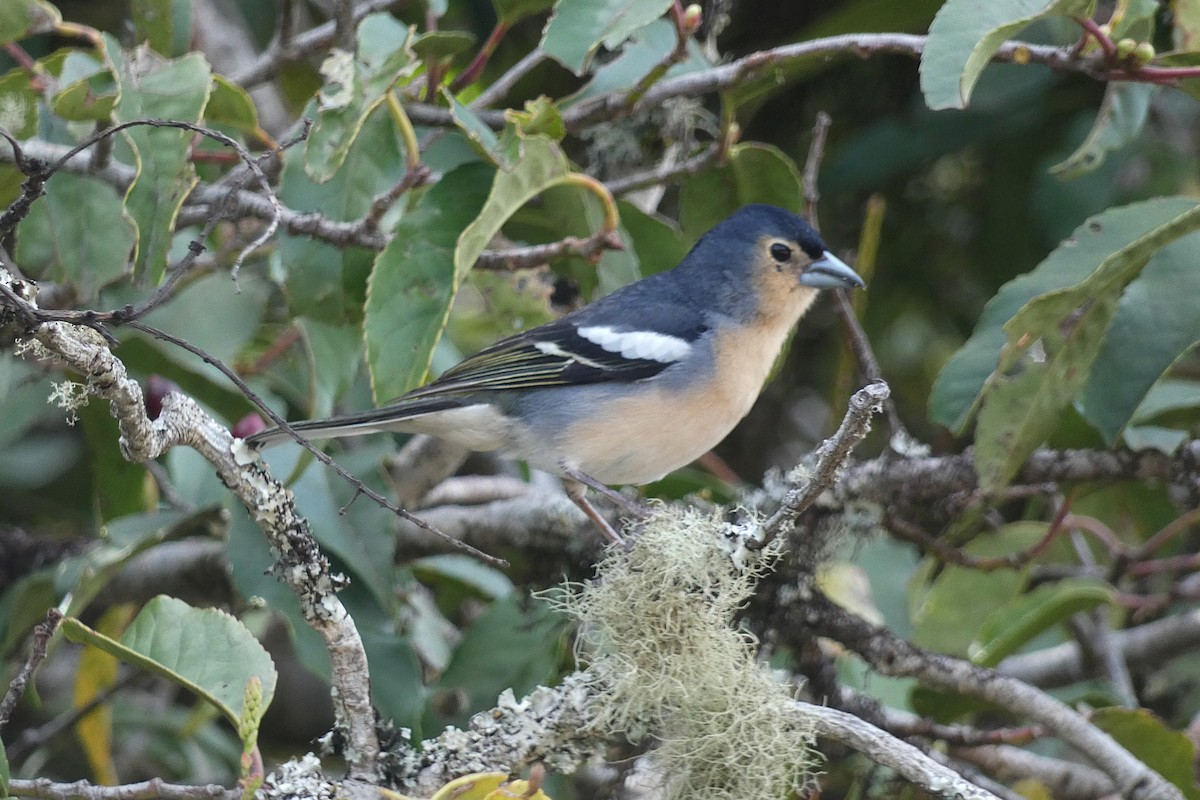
x,y
640,382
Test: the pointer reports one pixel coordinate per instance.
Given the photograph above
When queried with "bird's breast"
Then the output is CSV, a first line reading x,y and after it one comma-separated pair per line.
x,y
665,423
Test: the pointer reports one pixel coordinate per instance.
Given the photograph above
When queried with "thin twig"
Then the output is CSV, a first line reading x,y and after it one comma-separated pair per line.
x,y
864,354
156,789
501,85
883,748
320,455
891,655
41,636
831,457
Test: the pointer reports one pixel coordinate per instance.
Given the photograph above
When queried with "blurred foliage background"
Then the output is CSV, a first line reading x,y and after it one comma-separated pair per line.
x,y
967,199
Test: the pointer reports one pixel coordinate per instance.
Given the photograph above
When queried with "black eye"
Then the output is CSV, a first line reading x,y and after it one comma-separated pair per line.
x,y
781,252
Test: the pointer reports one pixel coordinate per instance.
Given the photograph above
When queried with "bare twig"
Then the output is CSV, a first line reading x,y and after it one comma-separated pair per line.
x,y
496,91
537,254
41,636
321,455
831,458
860,345
1150,644
157,789
883,748
1063,779
33,738
891,655
285,49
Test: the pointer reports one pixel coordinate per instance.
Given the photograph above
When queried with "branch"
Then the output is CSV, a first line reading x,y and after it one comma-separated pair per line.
x,y
155,789
891,655
613,105
272,506
291,48
1145,645
919,482
41,636
831,458
885,749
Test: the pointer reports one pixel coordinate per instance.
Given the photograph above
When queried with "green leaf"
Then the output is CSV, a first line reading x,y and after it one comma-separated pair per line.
x,y
324,281
954,394
1185,30
84,576
1023,400
578,27
165,25
645,50
335,353
541,166
58,238
206,651
222,335
1022,405
1018,621
965,35
156,89
540,116
87,88
482,138
1138,20
1167,752
18,104
659,245
1119,121
21,18
440,45
511,12
119,487
947,613
4,771
752,173
414,282
230,105
355,85
1154,326
1166,396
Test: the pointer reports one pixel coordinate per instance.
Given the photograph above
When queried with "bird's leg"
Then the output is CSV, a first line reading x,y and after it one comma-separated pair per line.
x,y
632,506
578,494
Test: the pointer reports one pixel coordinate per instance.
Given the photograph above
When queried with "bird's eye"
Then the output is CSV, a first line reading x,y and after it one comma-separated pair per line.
x,y
781,252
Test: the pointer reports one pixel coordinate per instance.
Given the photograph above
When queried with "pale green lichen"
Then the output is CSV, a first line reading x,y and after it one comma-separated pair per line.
x,y
668,661
69,396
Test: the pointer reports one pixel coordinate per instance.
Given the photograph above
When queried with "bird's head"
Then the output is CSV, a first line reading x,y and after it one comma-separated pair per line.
x,y
771,257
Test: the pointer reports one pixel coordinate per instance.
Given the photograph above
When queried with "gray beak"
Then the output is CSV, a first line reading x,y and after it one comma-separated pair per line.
x,y
830,272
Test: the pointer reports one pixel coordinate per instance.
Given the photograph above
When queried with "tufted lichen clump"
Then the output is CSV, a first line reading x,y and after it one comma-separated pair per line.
x,y
668,661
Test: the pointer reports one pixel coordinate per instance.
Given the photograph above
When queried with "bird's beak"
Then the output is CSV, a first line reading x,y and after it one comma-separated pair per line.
x,y
830,272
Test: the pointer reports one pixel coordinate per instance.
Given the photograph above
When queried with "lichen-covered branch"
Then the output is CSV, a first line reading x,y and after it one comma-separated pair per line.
x,y
300,563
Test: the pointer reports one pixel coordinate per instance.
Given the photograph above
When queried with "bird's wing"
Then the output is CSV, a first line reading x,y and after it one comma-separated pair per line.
x,y
567,352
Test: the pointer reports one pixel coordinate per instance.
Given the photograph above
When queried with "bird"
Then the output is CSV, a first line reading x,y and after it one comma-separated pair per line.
x,y
635,385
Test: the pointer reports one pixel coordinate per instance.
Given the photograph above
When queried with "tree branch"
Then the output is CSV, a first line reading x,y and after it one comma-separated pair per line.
x,y
891,655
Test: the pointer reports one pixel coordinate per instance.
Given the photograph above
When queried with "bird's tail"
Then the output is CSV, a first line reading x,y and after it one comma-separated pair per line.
x,y
376,420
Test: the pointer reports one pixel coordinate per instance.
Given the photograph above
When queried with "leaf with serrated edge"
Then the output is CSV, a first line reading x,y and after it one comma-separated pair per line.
x,y
154,89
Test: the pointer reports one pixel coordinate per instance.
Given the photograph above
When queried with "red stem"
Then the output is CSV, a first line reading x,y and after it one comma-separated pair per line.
x,y
471,73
